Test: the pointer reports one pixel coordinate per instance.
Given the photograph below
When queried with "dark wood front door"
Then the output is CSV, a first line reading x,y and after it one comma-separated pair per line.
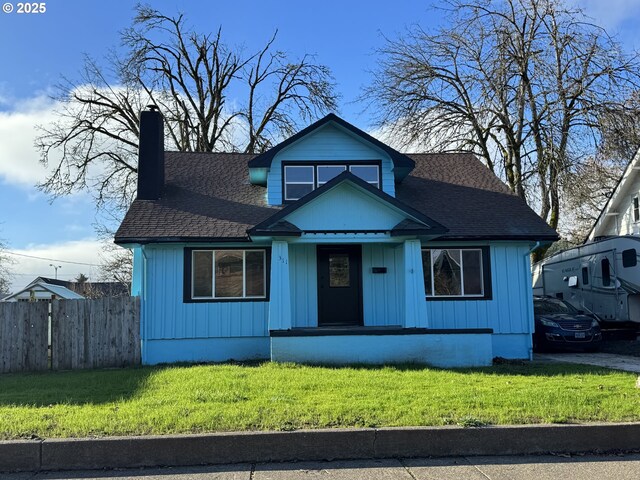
x,y
339,285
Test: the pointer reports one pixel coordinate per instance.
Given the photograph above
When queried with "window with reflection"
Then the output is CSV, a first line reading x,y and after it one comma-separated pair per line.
x,y
302,179
228,274
456,272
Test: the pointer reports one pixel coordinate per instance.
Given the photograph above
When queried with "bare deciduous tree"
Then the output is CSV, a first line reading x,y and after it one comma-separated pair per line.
x,y
193,77
5,268
522,83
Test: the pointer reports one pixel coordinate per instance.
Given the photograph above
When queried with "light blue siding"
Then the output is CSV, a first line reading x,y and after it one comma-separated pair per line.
x,y
441,350
415,304
304,285
280,301
138,269
328,143
507,312
206,350
510,310
346,207
166,316
382,293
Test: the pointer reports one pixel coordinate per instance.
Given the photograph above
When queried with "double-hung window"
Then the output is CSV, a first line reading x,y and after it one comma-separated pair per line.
x,y
327,172
636,209
225,274
456,273
368,173
301,179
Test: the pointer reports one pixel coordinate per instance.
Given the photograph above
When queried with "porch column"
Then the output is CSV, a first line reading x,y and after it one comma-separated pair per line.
x,y
280,289
415,304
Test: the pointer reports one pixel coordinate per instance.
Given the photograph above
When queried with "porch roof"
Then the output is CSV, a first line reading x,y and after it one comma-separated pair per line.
x,y
415,223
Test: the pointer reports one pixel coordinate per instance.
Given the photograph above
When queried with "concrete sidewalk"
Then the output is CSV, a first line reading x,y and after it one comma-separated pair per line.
x,y
544,467
607,360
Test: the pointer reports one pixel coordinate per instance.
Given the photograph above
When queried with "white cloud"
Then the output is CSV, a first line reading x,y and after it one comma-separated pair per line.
x,y
19,159
87,251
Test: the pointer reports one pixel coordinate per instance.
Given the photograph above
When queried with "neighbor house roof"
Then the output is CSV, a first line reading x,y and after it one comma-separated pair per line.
x,y
41,286
88,289
208,197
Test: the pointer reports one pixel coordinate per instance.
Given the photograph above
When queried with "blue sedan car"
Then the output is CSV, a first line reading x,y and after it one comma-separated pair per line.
x,y
559,325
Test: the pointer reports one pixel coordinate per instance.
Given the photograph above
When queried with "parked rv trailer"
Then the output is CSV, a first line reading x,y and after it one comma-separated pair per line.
x,y
602,277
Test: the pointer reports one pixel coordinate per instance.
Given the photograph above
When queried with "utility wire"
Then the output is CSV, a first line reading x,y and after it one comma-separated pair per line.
x,y
50,259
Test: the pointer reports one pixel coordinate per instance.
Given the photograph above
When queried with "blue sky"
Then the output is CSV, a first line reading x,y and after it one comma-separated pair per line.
x,y
37,49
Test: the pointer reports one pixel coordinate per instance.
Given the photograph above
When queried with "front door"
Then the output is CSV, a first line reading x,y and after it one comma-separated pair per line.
x,y
339,285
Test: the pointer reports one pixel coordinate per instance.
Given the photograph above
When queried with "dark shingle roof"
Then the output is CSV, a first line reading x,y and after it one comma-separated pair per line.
x,y
208,196
460,192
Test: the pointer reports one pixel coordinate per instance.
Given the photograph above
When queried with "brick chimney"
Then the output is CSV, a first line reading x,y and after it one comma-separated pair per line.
x,y
151,154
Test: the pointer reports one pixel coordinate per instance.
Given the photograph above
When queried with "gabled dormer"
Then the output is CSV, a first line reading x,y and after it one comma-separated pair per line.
x,y
321,152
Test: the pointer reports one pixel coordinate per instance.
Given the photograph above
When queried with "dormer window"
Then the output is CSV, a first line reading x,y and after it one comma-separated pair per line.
x,y
301,179
327,172
368,173
298,181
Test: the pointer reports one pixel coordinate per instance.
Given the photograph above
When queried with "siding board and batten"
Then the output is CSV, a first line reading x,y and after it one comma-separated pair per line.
x,y
168,317
508,312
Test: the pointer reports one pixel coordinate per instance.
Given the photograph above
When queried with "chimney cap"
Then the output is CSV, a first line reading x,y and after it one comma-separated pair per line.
x,y
153,107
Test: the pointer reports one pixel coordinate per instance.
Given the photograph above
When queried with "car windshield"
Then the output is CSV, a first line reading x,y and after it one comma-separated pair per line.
x,y
550,306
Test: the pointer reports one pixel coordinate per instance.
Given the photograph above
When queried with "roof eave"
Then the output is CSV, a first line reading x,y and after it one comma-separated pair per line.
x,y
147,240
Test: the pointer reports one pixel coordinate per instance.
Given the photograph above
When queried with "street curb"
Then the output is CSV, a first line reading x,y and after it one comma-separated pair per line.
x,y
308,445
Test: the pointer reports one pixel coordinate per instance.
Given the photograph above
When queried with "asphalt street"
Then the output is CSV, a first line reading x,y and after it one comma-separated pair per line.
x,y
540,467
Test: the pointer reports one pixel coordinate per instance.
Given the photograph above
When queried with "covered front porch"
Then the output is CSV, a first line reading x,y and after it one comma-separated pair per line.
x,y
350,302
347,283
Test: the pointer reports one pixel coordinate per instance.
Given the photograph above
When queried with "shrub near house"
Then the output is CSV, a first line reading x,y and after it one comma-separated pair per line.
x,y
331,247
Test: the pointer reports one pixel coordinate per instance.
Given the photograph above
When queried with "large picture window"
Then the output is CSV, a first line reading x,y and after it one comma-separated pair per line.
x,y
225,274
301,179
456,273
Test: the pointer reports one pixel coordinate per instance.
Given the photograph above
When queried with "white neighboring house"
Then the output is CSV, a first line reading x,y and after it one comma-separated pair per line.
x,y
621,213
41,290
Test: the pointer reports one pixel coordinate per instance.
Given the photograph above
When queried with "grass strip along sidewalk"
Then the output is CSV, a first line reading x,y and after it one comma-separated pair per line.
x,y
270,396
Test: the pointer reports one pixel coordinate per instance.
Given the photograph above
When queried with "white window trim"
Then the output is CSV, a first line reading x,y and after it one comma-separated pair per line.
x,y
319,183
312,182
377,167
462,295
244,274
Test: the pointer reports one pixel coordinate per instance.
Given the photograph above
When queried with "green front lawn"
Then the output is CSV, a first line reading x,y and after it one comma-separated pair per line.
x,y
269,396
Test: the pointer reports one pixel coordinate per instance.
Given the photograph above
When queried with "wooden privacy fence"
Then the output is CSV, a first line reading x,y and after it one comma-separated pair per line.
x,y
23,336
103,332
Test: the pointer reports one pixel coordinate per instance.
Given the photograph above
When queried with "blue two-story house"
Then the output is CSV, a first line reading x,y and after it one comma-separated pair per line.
x,y
330,247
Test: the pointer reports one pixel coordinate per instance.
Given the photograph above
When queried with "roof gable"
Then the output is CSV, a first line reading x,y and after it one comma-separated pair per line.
x,y
402,163
41,287
628,178
369,209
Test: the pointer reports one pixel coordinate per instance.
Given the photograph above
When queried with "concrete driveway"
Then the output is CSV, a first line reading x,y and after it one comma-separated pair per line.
x,y
607,360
